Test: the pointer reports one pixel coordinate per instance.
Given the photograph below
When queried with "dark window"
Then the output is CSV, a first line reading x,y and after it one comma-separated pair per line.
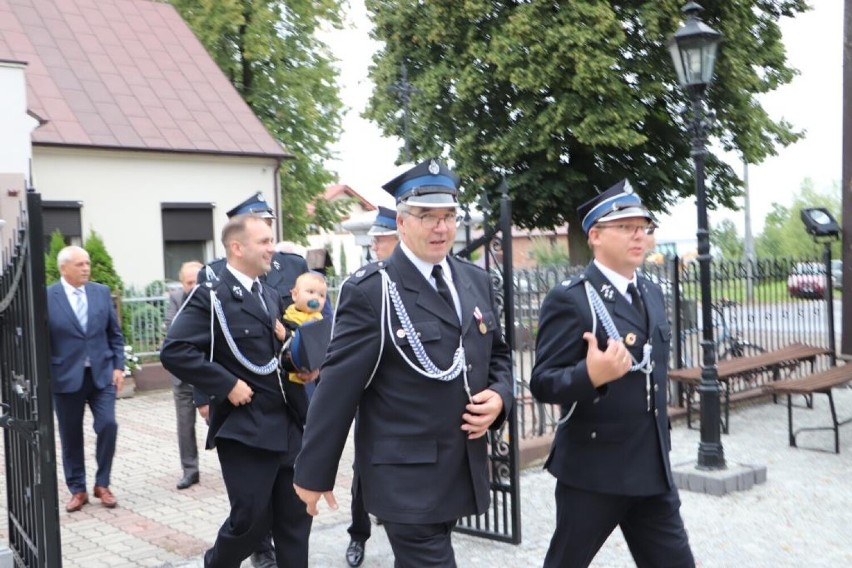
x,y
65,216
187,230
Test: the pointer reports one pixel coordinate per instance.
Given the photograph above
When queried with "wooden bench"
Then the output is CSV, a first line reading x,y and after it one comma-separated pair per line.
x,y
821,382
786,358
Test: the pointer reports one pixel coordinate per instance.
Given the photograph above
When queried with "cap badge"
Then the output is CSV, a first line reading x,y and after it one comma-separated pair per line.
x,y
434,168
627,187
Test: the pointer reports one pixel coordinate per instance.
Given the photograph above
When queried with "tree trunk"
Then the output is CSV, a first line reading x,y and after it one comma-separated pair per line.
x,y
578,247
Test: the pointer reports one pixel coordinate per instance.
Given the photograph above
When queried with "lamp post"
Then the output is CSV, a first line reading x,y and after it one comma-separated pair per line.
x,y
821,225
693,50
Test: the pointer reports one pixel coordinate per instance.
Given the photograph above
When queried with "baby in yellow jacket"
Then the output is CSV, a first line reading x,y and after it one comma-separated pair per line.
x,y
309,295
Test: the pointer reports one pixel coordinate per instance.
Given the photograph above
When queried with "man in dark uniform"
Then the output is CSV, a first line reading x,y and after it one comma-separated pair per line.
x,y
284,268
602,353
283,271
255,431
418,351
385,239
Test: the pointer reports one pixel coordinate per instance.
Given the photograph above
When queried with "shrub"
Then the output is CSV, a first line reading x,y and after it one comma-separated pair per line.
x,y
103,270
51,269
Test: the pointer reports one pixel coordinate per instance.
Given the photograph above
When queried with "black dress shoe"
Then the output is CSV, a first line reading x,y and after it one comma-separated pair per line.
x,y
187,481
355,553
264,559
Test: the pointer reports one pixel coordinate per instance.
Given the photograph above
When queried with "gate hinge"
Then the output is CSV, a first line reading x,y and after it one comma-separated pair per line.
x,y
12,423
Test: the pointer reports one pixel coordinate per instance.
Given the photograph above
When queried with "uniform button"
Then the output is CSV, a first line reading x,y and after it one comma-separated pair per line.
x,y
418,334
469,367
656,412
594,435
656,388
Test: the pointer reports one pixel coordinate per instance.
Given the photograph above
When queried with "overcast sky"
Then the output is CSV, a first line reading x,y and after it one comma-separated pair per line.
x,y
812,102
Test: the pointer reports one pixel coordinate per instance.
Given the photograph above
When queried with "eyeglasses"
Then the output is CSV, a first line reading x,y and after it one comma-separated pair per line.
x,y
432,221
630,230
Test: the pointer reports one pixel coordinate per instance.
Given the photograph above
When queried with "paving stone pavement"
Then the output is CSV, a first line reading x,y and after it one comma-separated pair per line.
x,y
802,515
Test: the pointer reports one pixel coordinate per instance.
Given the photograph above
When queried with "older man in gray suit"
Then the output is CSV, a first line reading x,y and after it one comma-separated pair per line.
x,y
184,405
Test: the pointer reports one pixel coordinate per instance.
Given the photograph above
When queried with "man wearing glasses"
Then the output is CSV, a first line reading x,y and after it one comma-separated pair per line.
x,y
602,353
418,351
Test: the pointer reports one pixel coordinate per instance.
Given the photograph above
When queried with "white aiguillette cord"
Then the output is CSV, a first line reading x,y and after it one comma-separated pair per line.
x,y
646,366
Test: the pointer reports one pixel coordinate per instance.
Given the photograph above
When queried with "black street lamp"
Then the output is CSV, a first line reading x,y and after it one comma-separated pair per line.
x,y
693,49
821,225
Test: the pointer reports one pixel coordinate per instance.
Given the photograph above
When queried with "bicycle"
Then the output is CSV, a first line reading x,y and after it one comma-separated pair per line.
x,y
727,338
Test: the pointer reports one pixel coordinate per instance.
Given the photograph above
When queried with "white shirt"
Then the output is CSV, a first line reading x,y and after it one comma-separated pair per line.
x,y
71,293
246,281
425,268
617,280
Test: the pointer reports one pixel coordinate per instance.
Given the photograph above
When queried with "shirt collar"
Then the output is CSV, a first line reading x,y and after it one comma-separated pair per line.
x,y
69,289
243,279
425,268
616,279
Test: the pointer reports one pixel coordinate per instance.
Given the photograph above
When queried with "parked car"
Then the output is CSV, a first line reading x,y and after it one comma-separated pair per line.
x,y
807,280
837,273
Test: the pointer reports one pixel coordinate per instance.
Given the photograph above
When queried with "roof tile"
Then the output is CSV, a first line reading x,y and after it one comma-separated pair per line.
x,y
125,74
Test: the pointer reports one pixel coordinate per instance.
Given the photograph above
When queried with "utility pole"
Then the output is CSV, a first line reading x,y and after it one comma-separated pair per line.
x,y
404,89
749,238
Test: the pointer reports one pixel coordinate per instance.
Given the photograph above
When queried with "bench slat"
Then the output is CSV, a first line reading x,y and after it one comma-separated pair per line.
x,y
817,382
738,366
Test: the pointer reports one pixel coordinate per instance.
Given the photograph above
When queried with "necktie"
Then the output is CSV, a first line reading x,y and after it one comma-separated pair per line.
x,y
81,309
255,291
441,285
637,300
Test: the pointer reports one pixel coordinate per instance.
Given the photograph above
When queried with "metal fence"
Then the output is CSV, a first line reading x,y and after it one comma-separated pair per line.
x,y
757,307
27,407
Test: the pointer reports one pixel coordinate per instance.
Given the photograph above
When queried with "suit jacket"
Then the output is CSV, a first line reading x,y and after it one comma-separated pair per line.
x,y
612,443
415,463
176,299
286,267
102,342
266,421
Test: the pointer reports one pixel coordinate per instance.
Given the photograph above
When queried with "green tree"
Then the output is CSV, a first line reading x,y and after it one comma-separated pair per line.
x,y
784,233
725,238
51,269
103,270
566,98
270,51
548,252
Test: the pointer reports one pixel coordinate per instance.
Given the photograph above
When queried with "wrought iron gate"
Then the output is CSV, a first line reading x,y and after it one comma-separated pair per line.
x,y
27,408
502,521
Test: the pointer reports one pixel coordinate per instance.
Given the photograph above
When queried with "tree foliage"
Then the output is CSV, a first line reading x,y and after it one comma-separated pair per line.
x,y
567,98
51,269
726,240
102,270
270,51
784,232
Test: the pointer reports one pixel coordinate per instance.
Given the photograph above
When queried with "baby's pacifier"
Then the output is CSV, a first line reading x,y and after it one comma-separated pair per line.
x,y
313,304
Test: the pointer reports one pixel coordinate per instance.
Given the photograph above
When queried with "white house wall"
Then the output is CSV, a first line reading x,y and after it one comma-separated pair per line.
x,y
121,194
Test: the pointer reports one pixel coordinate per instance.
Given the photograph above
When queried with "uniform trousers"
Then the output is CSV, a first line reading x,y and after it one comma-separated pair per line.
x,y
360,528
70,408
421,546
260,490
652,527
